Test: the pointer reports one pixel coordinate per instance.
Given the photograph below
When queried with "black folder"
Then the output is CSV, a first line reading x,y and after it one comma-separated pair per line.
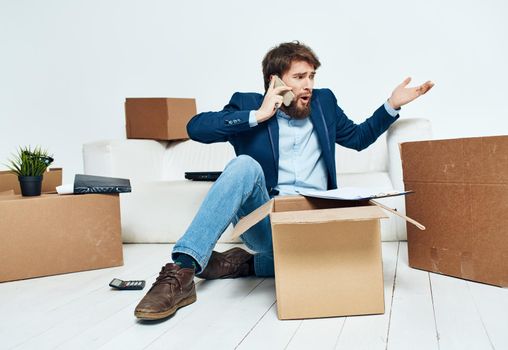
x,y
100,184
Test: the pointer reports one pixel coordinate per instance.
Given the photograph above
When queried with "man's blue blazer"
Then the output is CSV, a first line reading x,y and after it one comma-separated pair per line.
x,y
262,141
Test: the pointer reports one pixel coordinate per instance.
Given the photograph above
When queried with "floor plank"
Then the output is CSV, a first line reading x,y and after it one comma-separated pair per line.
x,y
231,326
492,303
458,321
319,333
132,334
412,323
50,329
270,332
140,334
31,295
354,334
84,293
208,316
79,311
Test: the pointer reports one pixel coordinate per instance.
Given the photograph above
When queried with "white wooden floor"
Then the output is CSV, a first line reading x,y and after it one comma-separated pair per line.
x,y
79,311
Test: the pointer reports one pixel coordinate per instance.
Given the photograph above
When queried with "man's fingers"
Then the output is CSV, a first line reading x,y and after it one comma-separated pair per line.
x,y
422,89
428,84
278,101
281,89
405,82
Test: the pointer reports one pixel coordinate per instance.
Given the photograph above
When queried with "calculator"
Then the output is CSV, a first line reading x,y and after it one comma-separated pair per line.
x,y
126,285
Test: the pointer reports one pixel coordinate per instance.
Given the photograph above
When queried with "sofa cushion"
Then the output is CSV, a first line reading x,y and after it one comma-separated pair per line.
x,y
137,160
190,155
372,159
161,211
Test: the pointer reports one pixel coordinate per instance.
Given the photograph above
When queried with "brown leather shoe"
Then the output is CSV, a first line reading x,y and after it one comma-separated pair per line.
x,y
173,289
232,263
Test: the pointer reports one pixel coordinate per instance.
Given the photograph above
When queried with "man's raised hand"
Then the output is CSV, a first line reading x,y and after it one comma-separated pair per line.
x,y
403,95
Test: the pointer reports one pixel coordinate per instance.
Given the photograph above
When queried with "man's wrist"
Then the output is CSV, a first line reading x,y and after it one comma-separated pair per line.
x,y
253,119
390,110
259,116
394,106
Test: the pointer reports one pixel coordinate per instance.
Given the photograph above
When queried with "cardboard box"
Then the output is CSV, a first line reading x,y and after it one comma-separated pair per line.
x,y
51,179
461,197
53,234
158,118
327,256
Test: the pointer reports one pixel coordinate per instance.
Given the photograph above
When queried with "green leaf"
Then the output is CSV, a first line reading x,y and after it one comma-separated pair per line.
x,y
30,162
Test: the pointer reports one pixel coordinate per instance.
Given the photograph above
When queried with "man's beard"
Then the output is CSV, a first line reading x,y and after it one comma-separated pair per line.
x,y
296,112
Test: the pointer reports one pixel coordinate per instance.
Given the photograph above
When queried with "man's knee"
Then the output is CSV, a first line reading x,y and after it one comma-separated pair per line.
x,y
245,164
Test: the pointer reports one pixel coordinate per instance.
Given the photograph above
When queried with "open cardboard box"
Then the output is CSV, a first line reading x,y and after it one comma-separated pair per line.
x,y
50,180
158,118
327,256
461,194
52,234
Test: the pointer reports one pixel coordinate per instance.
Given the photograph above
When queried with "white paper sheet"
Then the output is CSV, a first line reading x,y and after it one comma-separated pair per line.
x,y
353,193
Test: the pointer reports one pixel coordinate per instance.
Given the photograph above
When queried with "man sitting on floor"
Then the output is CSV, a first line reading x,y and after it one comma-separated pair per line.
x,y
280,150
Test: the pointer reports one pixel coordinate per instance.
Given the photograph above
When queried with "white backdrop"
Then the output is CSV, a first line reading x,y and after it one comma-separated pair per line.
x,y
67,66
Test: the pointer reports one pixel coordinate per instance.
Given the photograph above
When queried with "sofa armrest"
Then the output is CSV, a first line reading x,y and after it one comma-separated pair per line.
x,y
413,129
138,160
403,130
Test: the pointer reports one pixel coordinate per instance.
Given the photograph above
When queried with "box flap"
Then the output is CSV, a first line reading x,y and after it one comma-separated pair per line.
x,y
9,181
327,215
253,218
7,193
296,203
395,212
52,178
292,203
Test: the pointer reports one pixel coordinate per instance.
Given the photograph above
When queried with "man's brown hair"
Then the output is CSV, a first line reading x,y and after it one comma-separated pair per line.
x,y
278,60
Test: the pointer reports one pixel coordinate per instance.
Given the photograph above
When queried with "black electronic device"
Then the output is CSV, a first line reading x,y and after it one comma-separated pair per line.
x,y
202,175
100,184
126,285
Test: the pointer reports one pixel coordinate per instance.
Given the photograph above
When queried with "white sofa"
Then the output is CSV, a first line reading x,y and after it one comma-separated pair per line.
x,y
162,203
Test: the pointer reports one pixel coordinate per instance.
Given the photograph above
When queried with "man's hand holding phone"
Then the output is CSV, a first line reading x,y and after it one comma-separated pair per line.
x,y
272,101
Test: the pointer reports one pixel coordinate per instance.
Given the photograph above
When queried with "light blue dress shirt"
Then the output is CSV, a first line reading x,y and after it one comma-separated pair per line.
x,y
301,165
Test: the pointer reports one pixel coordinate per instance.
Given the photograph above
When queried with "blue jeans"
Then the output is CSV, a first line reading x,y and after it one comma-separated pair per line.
x,y
238,191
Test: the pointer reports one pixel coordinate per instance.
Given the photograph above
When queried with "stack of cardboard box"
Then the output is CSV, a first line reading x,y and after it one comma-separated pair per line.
x,y
52,234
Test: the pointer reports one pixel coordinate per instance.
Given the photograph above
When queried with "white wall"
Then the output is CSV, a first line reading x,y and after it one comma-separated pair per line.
x,y
67,66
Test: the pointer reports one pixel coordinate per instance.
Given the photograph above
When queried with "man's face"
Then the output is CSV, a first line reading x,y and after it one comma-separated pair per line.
x,y
300,77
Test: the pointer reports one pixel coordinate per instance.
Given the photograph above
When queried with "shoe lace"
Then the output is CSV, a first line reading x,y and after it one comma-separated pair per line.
x,y
168,276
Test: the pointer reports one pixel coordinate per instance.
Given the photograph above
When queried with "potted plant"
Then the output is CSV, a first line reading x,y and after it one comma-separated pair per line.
x,y
30,164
